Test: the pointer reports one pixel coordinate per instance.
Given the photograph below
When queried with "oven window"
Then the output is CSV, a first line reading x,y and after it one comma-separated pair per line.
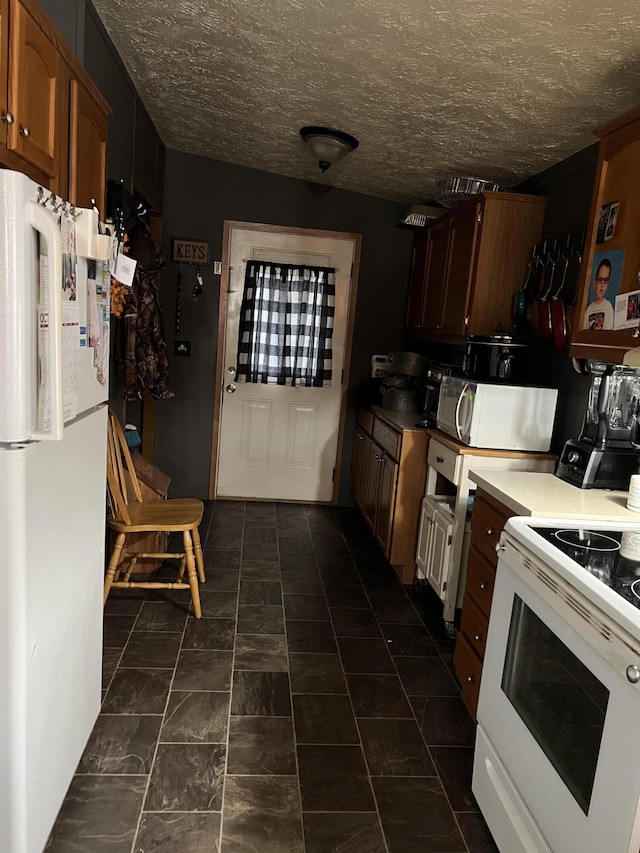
x,y
559,700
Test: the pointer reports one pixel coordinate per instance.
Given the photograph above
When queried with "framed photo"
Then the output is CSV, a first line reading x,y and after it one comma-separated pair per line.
x,y
607,221
614,207
627,310
606,275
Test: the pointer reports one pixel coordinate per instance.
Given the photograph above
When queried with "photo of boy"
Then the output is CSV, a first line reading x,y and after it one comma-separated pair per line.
x,y
599,313
605,284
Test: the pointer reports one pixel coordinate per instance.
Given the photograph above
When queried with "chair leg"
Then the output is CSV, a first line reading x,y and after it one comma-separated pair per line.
x,y
197,549
192,577
181,568
114,560
130,568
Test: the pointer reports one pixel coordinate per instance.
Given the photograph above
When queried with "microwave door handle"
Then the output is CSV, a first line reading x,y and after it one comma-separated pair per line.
x,y
42,221
461,396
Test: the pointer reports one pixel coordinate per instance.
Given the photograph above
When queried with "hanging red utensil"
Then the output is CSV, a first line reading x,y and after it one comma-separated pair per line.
x,y
572,276
558,312
544,305
537,288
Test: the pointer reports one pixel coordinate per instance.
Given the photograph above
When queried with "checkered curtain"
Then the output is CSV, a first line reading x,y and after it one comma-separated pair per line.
x,y
286,325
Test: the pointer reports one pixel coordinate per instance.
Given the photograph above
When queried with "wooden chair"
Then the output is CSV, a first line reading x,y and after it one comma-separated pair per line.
x,y
129,513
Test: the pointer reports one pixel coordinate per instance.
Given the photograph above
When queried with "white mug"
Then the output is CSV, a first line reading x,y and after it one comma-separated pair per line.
x,y
633,499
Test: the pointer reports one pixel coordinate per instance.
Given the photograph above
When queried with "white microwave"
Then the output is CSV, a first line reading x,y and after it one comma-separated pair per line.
x,y
504,417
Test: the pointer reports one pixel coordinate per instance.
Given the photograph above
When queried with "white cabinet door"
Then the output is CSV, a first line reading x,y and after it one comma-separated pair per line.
x,y
441,536
434,543
423,537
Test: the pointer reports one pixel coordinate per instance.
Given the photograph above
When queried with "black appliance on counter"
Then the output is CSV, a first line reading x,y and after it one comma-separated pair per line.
x,y
500,357
605,455
436,371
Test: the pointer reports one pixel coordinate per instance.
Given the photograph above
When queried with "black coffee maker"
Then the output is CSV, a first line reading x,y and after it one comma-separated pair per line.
x,y
606,453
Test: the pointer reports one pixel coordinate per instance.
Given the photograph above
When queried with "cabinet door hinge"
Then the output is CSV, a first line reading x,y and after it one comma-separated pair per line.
x,y
479,216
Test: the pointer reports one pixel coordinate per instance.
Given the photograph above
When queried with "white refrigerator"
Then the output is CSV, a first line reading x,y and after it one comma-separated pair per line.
x,y
53,422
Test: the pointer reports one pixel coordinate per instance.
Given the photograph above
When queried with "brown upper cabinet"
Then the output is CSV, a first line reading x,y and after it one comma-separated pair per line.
x,y
52,117
468,265
617,182
87,150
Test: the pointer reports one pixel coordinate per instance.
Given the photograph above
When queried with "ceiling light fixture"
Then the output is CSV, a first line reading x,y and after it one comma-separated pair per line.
x,y
328,146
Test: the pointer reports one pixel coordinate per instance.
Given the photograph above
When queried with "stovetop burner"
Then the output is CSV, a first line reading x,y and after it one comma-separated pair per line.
x,y
609,555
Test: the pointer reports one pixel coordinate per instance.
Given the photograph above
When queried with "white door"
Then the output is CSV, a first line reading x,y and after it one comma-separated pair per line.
x,y
278,442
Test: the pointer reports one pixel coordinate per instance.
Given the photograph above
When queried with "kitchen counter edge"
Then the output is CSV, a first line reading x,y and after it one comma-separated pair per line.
x,y
547,496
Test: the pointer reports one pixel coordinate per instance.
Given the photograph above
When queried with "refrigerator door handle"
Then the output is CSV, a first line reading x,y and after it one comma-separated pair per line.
x,y
47,227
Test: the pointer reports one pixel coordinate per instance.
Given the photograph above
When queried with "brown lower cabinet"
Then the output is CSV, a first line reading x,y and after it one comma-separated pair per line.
x,y
388,475
488,518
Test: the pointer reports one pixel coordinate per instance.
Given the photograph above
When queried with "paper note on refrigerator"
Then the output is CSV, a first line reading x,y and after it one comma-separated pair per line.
x,y
70,358
93,328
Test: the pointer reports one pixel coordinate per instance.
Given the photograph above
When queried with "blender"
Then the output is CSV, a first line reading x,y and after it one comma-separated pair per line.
x,y
605,455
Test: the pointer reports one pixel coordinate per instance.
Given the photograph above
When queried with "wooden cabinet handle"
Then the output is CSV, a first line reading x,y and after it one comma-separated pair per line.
x,y
360,437
25,131
484,585
490,531
470,679
477,637
8,117
440,459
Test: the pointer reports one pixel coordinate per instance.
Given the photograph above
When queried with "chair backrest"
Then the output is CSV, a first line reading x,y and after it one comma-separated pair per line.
x,y
122,481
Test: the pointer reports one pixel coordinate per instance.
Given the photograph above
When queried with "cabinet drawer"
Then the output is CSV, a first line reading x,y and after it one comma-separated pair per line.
x,y
444,460
487,522
468,671
365,420
387,438
481,578
474,625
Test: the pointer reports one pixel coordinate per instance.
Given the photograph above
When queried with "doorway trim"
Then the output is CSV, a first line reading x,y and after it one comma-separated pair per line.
x,y
229,224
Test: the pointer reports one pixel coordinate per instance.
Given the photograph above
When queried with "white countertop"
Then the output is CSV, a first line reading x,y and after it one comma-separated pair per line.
x,y
547,496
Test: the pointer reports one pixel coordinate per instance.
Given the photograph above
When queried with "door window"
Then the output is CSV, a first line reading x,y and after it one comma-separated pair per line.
x,y
286,325
557,697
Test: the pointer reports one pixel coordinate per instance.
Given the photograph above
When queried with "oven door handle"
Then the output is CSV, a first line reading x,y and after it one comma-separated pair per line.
x,y
463,395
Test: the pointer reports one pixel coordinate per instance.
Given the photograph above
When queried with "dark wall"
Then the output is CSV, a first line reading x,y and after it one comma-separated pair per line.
x,y
135,155
568,186
200,194
68,18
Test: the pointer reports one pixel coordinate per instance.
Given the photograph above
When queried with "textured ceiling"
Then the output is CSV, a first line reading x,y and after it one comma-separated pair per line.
x,y
431,88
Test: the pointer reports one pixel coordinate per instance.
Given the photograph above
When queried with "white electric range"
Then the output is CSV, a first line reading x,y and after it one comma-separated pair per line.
x,y
557,762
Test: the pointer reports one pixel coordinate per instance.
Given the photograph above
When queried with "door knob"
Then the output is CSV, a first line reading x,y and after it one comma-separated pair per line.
x,y
633,673
230,389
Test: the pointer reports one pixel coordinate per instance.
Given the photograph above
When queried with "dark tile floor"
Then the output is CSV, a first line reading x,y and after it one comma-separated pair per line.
x,y
312,708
